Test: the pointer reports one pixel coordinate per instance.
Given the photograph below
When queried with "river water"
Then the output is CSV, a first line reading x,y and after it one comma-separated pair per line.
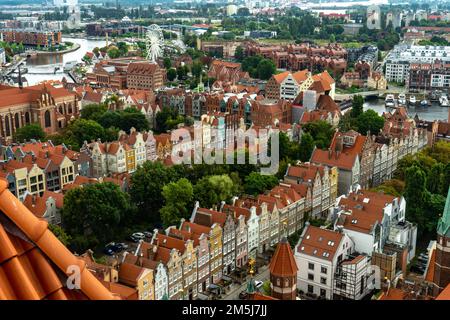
x,y
41,68
433,112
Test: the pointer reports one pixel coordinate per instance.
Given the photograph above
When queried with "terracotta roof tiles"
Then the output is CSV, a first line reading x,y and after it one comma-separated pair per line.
x,y
283,262
32,259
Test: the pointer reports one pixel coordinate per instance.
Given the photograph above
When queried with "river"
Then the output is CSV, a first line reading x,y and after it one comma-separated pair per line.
x,y
41,68
433,112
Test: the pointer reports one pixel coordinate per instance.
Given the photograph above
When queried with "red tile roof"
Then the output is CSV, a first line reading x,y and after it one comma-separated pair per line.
x,y
445,294
283,263
33,261
321,243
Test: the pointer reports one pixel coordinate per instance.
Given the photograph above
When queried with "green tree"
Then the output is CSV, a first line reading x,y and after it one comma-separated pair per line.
x,y
211,190
416,196
306,147
60,234
167,119
95,214
178,198
123,48
84,130
167,63
113,52
266,288
332,38
435,180
239,53
147,183
197,69
321,131
370,121
181,73
93,111
357,106
266,68
171,74
29,131
256,183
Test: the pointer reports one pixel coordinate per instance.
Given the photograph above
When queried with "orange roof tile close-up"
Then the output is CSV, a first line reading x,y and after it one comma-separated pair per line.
x,y
34,264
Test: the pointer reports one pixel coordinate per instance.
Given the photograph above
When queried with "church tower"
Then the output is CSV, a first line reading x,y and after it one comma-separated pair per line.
x,y
283,272
441,276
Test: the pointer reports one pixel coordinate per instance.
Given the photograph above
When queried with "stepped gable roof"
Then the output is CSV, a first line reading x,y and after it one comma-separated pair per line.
x,y
208,217
305,171
33,262
283,263
129,274
39,205
170,242
195,228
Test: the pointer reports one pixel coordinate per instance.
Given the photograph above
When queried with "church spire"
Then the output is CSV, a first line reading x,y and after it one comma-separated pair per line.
x,y
443,228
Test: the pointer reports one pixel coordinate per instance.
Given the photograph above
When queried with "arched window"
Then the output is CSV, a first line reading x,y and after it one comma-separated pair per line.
x,y
27,118
7,126
16,121
60,109
48,121
70,108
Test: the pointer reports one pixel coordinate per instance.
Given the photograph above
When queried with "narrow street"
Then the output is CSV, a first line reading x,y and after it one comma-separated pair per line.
x,y
236,289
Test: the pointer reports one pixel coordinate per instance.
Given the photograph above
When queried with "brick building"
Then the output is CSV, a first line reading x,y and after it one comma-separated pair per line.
x,y
33,38
270,112
302,56
123,73
283,272
49,105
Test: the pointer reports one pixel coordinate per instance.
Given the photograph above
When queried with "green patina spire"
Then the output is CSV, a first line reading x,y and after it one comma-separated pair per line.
x,y
251,288
444,222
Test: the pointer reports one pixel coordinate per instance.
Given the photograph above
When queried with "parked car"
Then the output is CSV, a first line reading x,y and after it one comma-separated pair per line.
x,y
137,236
258,284
121,246
110,249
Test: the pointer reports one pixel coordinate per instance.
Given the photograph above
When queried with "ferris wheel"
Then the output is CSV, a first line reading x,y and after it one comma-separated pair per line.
x,y
154,42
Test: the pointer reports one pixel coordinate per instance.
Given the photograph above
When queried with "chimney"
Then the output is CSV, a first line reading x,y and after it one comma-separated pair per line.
x,y
339,144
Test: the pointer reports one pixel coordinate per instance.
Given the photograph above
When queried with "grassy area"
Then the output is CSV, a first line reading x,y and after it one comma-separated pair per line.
x,y
352,90
275,41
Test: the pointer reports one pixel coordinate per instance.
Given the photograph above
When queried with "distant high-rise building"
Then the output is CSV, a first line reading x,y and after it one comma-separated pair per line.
x,y
373,17
63,3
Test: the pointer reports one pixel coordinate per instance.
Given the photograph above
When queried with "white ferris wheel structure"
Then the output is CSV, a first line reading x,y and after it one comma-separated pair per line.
x,y
154,42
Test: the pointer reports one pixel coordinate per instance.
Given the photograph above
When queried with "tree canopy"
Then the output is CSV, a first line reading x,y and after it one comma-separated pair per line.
x,y
94,214
178,198
29,131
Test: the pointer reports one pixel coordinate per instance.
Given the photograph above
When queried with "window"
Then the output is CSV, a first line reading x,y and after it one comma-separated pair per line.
x,y
310,288
47,119
311,266
323,292
323,280
310,276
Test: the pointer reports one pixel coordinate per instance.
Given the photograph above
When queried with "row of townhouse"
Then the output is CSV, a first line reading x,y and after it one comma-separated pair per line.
x,y
340,262
370,160
185,262
36,167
